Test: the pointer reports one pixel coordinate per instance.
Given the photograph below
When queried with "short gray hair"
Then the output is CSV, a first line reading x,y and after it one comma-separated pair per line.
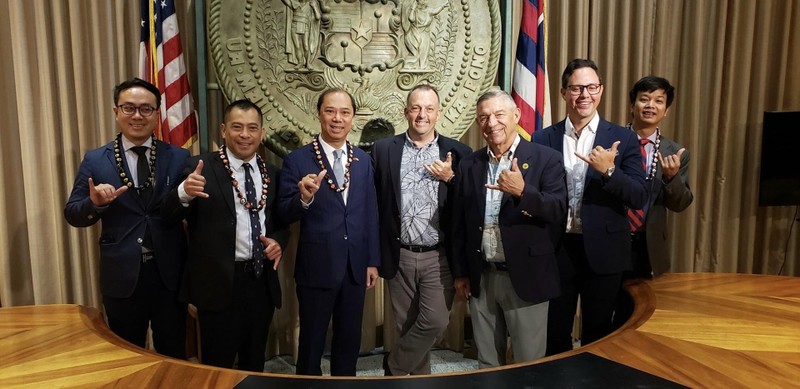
x,y
496,92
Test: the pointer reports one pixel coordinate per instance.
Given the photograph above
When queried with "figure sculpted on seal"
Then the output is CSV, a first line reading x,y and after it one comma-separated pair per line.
x,y
281,54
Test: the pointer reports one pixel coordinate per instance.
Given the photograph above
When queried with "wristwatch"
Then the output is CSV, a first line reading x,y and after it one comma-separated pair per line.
x,y
609,172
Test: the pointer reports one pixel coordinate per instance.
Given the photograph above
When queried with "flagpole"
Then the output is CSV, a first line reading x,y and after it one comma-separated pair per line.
x,y
506,56
202,75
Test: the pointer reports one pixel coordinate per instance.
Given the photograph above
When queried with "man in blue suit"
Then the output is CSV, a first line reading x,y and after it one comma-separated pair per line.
x,y
328,186
604,179
141,256
509,205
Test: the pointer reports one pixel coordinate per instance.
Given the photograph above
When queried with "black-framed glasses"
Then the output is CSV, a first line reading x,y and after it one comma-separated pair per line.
x,y
577,90
130,109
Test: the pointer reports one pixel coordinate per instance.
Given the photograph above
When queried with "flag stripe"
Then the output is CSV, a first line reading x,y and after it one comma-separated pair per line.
x,y
530,88
161,63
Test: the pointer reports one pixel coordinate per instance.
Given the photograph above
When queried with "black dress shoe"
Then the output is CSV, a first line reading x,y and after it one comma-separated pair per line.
x,y
386,370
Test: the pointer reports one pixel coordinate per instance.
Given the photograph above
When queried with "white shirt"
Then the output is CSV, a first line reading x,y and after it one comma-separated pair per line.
x,y
244,245
132,158
576,168
328,149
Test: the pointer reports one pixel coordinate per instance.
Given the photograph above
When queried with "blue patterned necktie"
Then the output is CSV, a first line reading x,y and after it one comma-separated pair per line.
x,y
338,170
255,223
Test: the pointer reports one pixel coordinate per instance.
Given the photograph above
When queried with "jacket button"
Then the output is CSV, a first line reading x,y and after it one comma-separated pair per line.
x,y
345,237
480,228
139,240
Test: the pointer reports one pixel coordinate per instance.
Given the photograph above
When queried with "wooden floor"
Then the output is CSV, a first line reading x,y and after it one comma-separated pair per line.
x,y
699,330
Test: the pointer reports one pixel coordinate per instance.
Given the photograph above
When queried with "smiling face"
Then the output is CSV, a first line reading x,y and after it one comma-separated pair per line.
x,y
242,132
581,108
335,118
422,111
497,118
649,109
136,128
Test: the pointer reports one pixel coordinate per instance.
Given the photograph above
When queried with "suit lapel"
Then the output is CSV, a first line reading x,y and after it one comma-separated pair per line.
x,y
557,137
478,173
325,185
220,176
163,158
395,159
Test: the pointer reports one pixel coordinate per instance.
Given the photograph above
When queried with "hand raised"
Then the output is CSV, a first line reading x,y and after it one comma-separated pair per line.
x,y
272,250
671,164
309,185
599,158
442,170
104,194
195,184
510,181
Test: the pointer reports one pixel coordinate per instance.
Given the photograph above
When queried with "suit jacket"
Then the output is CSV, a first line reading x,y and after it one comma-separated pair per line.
x,y
604,210
125,219
388,153
674,196
334,237
526,223
211,222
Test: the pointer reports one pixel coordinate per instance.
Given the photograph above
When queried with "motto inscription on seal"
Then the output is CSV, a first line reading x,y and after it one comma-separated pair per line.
x,y
282,54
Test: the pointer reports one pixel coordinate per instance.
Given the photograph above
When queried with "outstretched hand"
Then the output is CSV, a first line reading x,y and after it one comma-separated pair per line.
x,y
309,185
671,164
104,194
442,170
272,250
510,181
599,158
195,184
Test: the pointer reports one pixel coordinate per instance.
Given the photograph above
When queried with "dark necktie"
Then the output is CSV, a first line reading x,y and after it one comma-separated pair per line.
x,y
143,174
255,223
636,216
338,170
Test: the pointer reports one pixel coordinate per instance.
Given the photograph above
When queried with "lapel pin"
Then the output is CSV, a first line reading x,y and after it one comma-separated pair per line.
x,y
525,166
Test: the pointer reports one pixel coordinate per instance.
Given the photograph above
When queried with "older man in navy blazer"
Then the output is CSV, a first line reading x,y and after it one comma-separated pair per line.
x,y
141,255
509,206
604,177
328,186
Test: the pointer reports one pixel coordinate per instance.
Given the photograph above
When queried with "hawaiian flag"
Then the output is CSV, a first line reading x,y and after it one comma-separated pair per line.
x,y
530,88
161,63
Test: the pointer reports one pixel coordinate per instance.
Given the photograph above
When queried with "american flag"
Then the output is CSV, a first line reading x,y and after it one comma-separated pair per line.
x,y
161,63
530,88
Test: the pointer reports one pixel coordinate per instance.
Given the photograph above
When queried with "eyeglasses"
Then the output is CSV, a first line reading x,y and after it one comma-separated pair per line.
x,y
130,109
577,90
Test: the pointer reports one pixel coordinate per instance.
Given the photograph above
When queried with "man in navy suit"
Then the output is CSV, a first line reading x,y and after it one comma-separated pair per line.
x,y
141,256
414,176
235,243
604,179
510,203
329,187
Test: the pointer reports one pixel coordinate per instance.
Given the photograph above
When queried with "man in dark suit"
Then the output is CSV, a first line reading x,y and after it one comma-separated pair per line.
x,y
604,178
414,175
235,242
509,205
141,255
329,187
666,166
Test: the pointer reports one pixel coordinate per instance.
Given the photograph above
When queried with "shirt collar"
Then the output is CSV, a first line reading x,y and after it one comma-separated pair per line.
x,y
509,154
127,144
592,126
236,163
409,141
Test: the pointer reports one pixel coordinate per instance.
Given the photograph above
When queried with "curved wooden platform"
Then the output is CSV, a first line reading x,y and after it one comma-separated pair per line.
x,y
698,330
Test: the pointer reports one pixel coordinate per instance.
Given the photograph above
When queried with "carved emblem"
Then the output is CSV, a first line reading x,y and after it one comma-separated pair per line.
x,y
282,53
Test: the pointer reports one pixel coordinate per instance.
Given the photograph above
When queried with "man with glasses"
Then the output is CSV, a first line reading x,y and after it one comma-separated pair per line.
x,y
414,174
141,256
510,201
604,178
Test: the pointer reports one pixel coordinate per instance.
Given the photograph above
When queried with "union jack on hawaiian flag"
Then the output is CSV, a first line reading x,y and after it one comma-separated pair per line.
x,y
161,63
530,88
